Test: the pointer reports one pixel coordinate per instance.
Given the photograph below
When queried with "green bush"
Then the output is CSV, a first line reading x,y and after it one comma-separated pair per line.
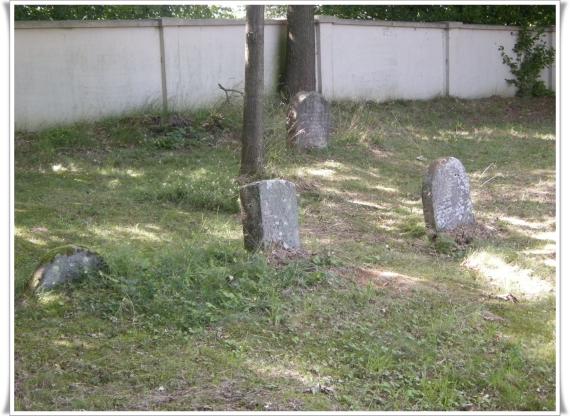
x,y
532,55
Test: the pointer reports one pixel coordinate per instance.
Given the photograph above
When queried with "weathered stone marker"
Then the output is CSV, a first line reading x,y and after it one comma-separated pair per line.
x,y
270,214
308,121
445,196
66,264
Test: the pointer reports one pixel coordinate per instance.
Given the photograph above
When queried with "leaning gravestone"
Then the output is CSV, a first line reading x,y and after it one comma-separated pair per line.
x,y
270,214
66,264
308,121
445,196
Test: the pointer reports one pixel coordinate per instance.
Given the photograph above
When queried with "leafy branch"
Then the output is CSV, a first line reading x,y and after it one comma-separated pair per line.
x,y
532,55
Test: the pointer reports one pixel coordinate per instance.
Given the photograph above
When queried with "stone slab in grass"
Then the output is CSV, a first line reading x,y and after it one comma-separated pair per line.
x,y
66,264
270,215
446,196
308,121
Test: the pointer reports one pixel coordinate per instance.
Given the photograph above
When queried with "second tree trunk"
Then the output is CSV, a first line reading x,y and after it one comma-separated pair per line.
x,y
300,70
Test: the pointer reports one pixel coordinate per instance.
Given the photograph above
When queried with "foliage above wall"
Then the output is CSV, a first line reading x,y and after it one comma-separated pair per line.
x,y
98,12
477,14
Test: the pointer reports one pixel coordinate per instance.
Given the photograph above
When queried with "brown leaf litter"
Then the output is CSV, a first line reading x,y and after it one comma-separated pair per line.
x,y
278,256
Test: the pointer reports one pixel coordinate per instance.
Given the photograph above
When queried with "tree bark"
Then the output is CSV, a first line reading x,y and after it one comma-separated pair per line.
x,y
252,158
300,67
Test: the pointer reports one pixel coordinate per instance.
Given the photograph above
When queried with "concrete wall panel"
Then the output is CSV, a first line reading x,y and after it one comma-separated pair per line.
x,y
66,75
382,63
198,58
476,67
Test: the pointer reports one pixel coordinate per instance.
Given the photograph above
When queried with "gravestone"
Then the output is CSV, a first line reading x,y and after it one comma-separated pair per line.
x,y
308,121
270,215
66,264
445,196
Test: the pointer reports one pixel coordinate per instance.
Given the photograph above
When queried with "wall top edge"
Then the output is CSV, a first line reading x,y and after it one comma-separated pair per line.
x,y
69,24
419,25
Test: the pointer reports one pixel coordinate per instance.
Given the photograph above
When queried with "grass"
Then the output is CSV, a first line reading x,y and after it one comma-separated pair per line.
x,y
377,318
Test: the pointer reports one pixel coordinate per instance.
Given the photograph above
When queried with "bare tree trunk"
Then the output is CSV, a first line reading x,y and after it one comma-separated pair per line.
x,y
252,162
300,69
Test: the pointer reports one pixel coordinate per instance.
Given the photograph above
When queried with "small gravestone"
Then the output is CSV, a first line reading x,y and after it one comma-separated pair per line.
x,y
445,196
270,215
308,121
66,264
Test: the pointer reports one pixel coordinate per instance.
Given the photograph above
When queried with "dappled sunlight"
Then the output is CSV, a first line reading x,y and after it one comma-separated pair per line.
x,y
37,235
63,343
550,263
60,168
194,174
448,135
131,173
366,204
140,232
275,369
333,164
331,175
546,250
412,205
547,236
226,231
542,192
316,172
544,136
385,189
326,169
506,277
26,235
485,130
386,279
336,192
318,241
74,344
50,297
113,184
519,222
536,230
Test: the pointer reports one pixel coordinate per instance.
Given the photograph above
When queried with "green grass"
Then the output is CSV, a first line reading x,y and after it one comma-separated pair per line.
x,y
378,318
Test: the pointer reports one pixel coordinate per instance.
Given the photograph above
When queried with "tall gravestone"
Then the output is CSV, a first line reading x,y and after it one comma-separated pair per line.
x,y
308,121
445,196
270,214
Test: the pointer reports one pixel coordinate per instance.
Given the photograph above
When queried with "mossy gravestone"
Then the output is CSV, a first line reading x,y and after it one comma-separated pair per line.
x,y
308,121
445,196
270,215
66,264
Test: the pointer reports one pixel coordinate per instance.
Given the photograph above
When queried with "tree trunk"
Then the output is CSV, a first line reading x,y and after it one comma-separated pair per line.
x,y
252,134
300,70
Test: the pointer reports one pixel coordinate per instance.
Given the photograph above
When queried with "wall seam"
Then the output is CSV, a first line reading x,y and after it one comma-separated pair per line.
x,y
163,71
319,71
446,66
